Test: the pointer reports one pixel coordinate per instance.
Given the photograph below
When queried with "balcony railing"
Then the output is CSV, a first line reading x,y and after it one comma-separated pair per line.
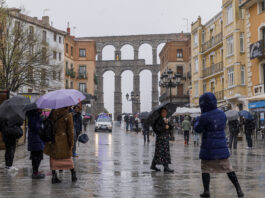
x,y
212,42
70,72
258,89
82,75
215,68
219,95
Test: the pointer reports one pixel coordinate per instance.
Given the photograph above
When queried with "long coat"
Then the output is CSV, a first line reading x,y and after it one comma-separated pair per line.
x,y
63,143
162,150
211,124
34,125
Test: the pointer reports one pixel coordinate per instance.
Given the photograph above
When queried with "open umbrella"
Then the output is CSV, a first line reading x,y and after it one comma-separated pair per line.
x,y
195,115
60,98
144,115
232,115
13,111
154,115
245,114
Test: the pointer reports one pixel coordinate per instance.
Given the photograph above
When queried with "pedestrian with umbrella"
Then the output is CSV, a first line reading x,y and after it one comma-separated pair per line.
x,y
60,149
249,126
161,126
214,153
77,118
12,116
233,123
35,144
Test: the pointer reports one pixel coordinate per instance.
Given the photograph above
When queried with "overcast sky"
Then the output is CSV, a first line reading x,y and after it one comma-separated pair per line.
x,y
122,17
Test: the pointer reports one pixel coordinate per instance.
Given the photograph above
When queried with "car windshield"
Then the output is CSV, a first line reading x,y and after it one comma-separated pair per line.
x,y
103,120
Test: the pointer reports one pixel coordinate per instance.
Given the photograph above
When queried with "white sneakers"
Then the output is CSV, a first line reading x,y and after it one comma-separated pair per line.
x,y
11,168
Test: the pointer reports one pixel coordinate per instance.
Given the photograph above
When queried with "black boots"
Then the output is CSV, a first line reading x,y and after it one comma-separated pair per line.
x,y
153,167
232,176
167,169
206,184
74,178
55,179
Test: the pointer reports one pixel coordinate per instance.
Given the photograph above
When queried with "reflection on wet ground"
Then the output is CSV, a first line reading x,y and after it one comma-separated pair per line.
x,y
117,165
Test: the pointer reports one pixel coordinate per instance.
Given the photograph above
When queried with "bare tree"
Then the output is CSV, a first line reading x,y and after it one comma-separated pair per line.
x,y
25,57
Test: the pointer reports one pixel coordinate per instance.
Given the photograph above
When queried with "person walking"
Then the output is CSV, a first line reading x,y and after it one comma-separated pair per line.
x,y
85,122
60,150
186,126
249,127
127,121
196,136
77,118
136,122
35,144
234,131
146,130
131,122
162,129
214,153
10,135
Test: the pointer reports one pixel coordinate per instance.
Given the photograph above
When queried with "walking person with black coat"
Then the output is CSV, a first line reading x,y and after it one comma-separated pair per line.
x,y
234,131
214,153
77,118
146,130
35,144
249,126
162,129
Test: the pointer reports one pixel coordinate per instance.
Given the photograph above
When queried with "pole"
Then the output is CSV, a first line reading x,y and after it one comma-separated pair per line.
x,y
170,99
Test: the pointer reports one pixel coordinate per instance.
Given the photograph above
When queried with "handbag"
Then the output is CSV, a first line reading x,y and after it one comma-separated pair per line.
x,y
83,138
13,131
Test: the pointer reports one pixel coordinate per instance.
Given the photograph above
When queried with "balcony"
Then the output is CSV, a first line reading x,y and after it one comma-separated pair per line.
x,y
215,68
70,72
214,41
219,95
258,89
82,75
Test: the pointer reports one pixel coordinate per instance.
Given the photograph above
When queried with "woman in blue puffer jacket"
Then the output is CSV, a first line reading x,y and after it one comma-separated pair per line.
x,y
35,144
214,152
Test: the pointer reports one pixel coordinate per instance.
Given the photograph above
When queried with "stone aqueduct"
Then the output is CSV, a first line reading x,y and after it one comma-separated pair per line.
x,y
136,66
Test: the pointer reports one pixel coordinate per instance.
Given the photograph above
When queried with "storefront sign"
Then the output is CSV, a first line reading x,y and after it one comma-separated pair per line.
x,y
258,104
256,49
262,116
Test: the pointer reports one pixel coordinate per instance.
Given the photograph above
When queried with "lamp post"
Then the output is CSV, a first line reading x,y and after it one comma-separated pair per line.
x,y
169,79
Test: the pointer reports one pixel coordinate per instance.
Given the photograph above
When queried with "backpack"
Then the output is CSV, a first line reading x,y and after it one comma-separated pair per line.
x,y
83,138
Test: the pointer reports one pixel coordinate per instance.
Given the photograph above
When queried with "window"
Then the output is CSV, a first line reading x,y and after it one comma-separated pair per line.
x,y
231,77
60,39
180,90
263,34
241,14
66,65
180,70
59,75
212,86
72,51
54,55
66,84
229,14
241,41
179,53
72,66
31,30
203,36
44,36
195,41
196,87
204,87
43,76
54,37
66,48
203,62
60,56
261,6
72,85
230,46
82,52
44,55
82,87
196,65
54,75
242,73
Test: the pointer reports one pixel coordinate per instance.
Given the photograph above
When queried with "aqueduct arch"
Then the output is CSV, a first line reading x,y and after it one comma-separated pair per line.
x,y
136,66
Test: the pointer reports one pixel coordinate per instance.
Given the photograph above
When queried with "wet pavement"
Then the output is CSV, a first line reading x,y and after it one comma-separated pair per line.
x,y
117,165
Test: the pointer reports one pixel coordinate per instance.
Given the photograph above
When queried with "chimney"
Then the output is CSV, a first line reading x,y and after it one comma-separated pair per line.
x,y
45,20
68,29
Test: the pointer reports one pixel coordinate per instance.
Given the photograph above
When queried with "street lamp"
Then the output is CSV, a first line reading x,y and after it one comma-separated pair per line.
x,y
133,97
169,80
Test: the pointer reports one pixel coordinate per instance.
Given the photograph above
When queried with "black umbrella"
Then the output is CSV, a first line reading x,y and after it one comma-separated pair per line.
x,y
144,115
154,115
12,110
29,107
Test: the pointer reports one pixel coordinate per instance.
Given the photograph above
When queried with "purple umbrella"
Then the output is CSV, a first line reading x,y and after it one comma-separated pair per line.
x,y
60,98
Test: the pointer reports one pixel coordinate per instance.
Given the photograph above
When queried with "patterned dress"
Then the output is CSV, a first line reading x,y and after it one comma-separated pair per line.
x,y
162,150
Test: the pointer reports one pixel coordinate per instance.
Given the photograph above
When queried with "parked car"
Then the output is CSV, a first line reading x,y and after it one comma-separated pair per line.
x,y
104,124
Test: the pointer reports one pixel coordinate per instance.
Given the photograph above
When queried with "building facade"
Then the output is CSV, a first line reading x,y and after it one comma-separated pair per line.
x,y
80,64
218,57
176,55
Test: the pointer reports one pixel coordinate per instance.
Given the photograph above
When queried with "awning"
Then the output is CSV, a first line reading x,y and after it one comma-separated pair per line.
x,y
256,98
257,104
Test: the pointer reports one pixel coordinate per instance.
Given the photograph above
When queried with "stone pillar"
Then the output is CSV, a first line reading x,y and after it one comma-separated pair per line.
x,y
117,97
154,89
99,53
117,55
100,95
154,56
136,104
136,54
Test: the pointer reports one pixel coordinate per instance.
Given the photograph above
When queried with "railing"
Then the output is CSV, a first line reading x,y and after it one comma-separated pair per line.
x,y
258,89
215,68
219,95
82,75
212,42
70,72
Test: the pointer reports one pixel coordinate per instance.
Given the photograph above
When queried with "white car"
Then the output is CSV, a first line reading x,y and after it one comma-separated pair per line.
x,y
104,124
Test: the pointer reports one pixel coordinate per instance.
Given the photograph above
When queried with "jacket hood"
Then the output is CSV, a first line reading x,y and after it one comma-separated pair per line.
x,y
186,118
208,102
